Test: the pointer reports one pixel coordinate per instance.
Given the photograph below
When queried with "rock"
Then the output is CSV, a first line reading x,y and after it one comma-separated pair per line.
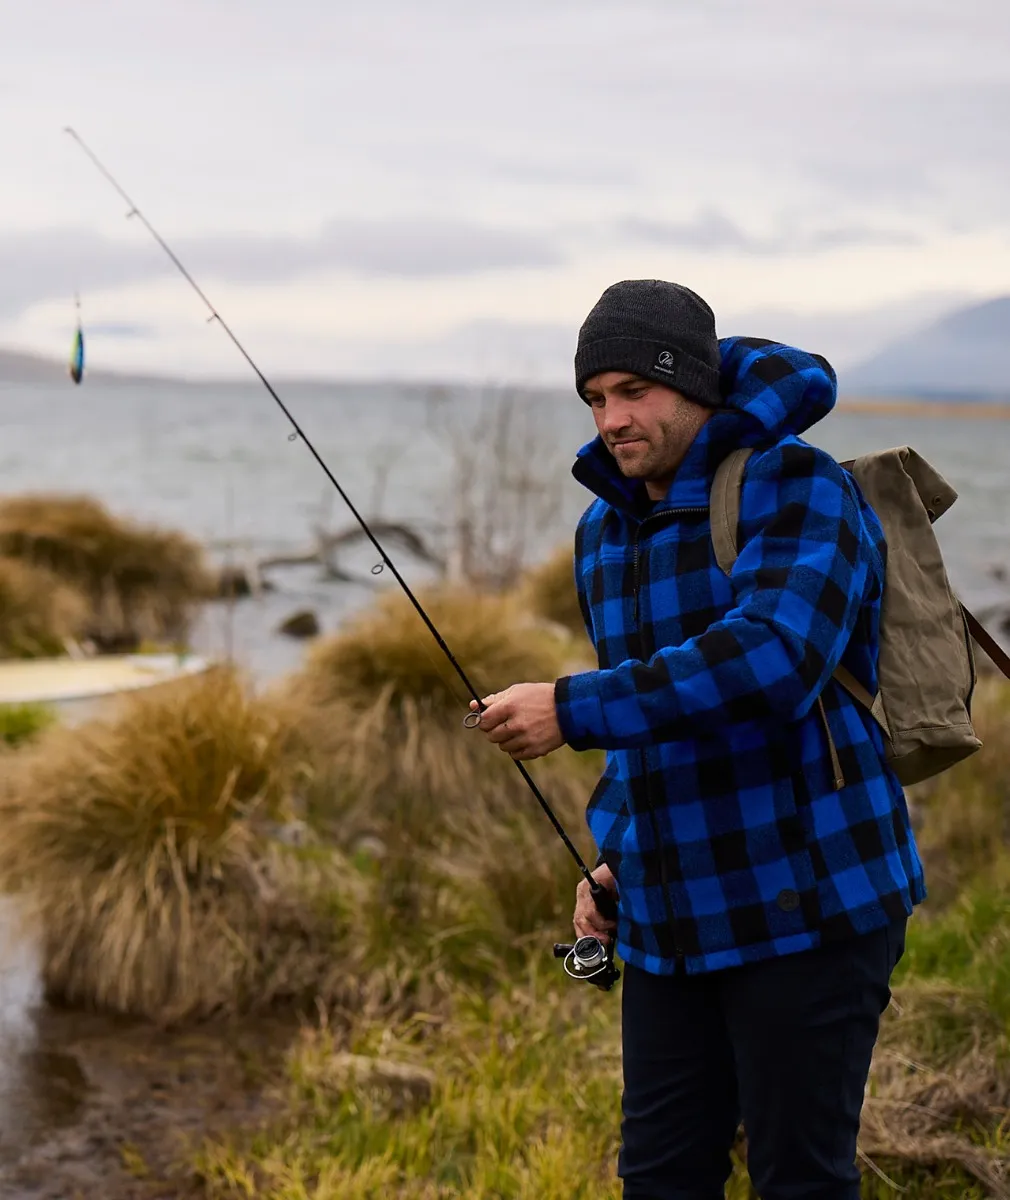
x,y
301,624
233,581
404,1083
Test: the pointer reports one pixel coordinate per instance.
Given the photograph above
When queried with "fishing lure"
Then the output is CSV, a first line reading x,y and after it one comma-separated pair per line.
x,y
76,366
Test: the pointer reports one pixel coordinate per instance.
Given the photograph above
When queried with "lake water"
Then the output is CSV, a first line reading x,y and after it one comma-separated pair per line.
x,y
216,461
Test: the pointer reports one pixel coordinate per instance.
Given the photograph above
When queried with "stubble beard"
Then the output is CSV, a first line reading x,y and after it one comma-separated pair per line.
x,y
654,462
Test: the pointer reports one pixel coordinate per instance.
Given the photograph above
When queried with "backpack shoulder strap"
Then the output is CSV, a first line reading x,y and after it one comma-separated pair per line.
x,y
724,517
989,644
724,507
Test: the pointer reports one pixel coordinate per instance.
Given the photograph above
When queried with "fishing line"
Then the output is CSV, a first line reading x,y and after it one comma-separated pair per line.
x,y
600,894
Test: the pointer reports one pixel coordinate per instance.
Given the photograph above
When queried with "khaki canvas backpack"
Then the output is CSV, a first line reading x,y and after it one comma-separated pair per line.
x,y
926,665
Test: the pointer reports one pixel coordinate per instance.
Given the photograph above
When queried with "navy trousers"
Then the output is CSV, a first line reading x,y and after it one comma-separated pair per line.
x,y
785,1044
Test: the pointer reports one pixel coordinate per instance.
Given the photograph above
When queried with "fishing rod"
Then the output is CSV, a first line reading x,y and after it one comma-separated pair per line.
x,y
604,901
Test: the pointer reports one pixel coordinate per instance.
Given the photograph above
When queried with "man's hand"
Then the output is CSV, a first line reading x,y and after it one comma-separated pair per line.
x,y
588,921
522,720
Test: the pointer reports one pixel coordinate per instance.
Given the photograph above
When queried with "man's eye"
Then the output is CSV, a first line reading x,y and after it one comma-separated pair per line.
x,y
636,393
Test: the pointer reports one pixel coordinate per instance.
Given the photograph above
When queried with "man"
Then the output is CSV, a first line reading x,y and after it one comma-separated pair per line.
x,y
762,900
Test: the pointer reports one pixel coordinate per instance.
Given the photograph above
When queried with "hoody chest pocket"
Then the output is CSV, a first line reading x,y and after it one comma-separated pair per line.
x,y
680,589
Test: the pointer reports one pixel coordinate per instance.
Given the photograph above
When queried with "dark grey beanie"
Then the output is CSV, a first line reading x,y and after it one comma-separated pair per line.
x,y
658,330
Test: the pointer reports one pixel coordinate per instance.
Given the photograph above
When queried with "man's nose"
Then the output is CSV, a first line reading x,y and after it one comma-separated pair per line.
x,y
615,417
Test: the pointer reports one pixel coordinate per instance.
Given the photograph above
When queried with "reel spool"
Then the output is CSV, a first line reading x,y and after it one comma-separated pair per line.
x,y
589,961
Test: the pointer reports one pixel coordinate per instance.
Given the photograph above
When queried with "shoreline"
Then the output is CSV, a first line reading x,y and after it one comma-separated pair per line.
x,y
994,410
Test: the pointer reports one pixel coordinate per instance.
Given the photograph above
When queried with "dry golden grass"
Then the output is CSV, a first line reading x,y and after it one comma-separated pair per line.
x,y
141,843
38,612
549,591
467,856
140,582
467,861
146,845
388,655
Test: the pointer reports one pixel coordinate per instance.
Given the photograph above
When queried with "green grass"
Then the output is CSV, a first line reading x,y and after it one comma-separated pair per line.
x,y
22,723
967,946
936,1122
526,1092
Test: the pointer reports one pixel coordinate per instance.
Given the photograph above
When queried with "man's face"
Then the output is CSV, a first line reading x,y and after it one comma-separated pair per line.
x,y
647,427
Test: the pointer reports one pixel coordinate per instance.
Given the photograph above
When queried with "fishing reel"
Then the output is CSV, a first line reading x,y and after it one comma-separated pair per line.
x,y
589,960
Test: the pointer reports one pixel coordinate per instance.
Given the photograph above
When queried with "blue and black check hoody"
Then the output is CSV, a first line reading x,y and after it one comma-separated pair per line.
x,y
717,811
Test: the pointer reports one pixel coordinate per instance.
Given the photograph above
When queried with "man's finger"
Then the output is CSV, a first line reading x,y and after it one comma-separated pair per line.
x,y
492,717
501,734
597,922
582,929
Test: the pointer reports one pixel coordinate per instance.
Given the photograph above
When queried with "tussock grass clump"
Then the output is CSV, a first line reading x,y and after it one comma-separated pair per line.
x,y
39,613
468,869
140,582
469,874
388,655
142,843
549,590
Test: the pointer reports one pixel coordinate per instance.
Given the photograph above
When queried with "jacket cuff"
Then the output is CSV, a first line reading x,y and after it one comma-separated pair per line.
x,y
580,710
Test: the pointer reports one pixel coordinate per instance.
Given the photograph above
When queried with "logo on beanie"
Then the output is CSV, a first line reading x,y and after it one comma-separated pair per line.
x,y
666,361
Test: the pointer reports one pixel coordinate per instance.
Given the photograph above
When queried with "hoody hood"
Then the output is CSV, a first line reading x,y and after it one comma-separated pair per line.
x,y
770,391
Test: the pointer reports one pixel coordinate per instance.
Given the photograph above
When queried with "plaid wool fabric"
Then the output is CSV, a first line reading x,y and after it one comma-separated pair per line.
x,y
717,811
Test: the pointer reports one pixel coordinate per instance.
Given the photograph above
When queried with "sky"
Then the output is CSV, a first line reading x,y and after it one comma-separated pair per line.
x,y
398,189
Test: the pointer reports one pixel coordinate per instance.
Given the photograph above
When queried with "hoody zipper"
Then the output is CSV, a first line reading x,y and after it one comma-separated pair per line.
x,y
636,573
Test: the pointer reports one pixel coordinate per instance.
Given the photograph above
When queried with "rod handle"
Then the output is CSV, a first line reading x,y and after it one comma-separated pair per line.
x,y
605,901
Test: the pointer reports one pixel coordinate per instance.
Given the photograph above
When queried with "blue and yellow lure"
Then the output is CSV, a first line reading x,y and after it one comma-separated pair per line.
x,y
76,367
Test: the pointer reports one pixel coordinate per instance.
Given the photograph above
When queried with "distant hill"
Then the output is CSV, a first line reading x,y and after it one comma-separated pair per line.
x,y
965,355
29,368
16,366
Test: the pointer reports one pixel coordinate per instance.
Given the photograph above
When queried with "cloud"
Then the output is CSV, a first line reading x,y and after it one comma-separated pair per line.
x,y
483,351
711,231
48,263
119,329
417,248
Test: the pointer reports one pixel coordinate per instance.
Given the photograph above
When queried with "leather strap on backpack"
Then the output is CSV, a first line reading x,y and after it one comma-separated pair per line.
x,y
987,642
724,507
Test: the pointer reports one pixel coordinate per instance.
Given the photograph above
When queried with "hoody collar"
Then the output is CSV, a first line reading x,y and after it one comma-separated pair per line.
x,y
771,390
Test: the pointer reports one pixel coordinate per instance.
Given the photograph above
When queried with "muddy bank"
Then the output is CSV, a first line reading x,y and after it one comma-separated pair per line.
x,y
102,1108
